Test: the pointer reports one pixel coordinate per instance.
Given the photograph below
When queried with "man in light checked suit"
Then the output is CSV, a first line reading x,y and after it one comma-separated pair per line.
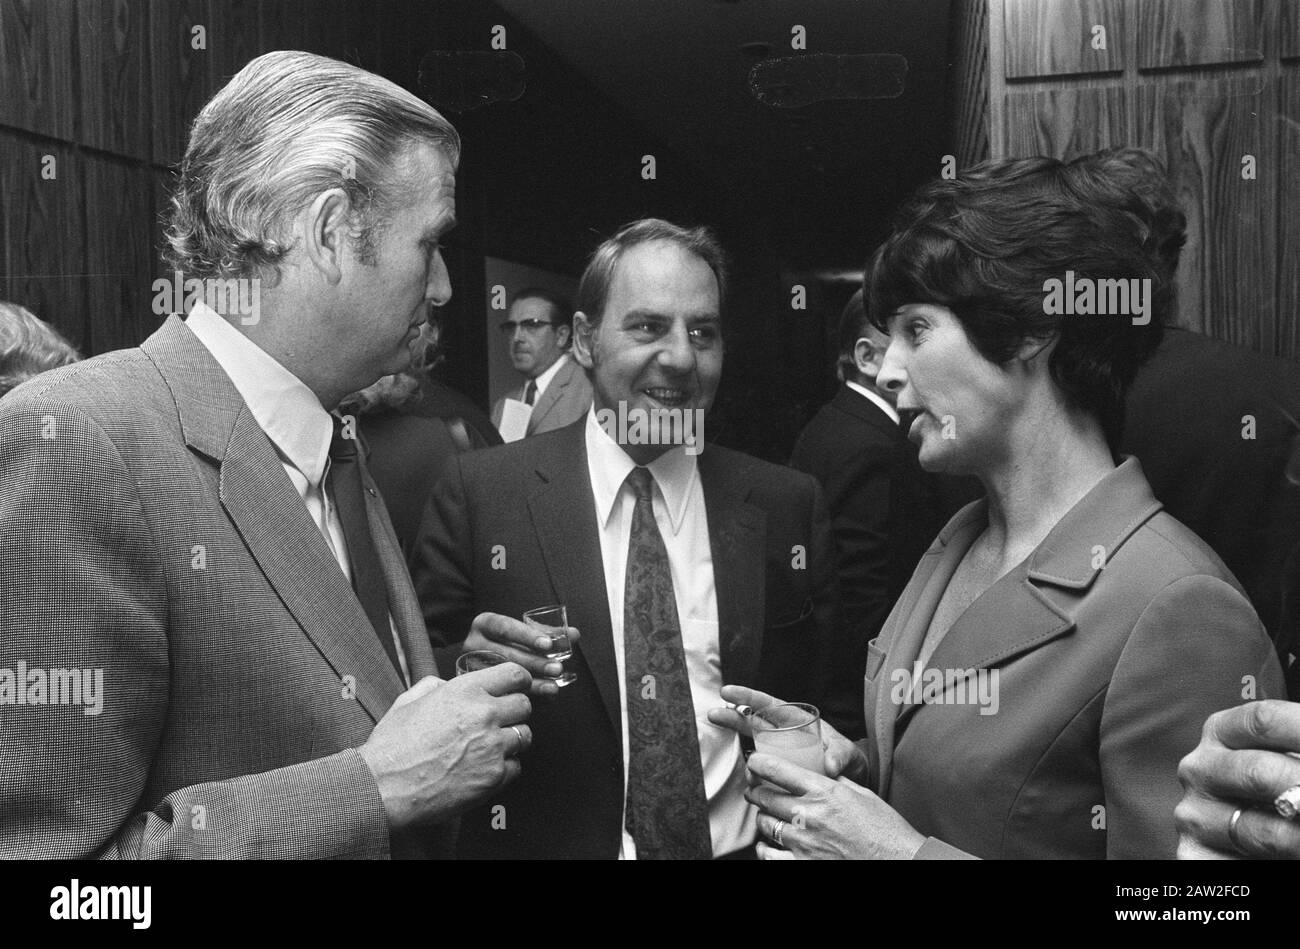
x,y
189,521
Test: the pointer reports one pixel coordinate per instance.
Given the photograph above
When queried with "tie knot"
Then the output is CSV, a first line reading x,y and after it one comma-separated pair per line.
x,y
343,444
642,482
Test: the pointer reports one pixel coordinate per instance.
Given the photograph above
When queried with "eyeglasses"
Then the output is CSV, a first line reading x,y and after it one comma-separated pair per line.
x,y
507,327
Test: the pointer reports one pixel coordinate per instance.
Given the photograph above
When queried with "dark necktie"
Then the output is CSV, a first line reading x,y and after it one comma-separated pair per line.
x,y
344,482
530,392
667,812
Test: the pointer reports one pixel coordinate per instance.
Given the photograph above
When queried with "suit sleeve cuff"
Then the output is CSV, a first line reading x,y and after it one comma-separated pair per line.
x,y
934,849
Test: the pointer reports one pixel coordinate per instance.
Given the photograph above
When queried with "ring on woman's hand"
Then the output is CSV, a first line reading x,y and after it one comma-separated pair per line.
x,y
1288,802
1232,830
515,729
777,830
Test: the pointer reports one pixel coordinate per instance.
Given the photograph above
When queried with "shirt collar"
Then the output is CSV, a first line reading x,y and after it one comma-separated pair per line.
x,y
674,472
545,378
281,403
875,397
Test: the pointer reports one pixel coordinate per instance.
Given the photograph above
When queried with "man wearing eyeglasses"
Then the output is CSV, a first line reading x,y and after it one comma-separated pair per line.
x,y
538,328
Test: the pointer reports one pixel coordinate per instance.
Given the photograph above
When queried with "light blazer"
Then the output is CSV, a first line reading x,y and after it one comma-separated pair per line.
x,y
513,528
1106,676
148,529
565,400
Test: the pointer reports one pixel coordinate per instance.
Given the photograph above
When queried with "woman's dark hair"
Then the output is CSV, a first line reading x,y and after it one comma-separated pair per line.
x,y
986,245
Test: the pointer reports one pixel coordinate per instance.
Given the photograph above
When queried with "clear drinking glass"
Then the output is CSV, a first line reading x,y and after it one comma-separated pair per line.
x,y
477,659
792,731
553,621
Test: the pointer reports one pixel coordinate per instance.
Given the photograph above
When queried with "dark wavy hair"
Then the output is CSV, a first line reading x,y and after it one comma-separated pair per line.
x,y
985,244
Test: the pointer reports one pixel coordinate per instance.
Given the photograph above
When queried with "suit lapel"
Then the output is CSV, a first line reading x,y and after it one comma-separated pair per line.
x,y
271,517
737,544
1009,619
546,401
1017,614
1026,609
562,509
402,602
907,633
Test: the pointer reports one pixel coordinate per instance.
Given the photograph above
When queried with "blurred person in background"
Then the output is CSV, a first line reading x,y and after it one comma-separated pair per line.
x,y
539,331
411,427
29,346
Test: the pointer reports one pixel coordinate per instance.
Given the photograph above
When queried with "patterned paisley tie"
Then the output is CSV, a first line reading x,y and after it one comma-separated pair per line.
x,y
667,813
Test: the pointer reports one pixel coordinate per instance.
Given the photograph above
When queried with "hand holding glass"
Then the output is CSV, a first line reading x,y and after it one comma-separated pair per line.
x,y
553,621
477,659
791,731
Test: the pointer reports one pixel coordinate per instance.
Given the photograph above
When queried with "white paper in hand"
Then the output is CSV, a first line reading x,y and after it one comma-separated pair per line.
x,y
514,420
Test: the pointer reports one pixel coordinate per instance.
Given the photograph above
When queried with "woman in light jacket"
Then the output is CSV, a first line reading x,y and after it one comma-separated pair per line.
x,y
1063,640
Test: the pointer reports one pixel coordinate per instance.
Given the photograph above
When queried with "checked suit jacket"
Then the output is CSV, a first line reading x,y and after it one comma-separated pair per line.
x,y
531,503
148,529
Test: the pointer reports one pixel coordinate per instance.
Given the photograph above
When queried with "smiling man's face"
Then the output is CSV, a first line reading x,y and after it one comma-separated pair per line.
x,y
658,344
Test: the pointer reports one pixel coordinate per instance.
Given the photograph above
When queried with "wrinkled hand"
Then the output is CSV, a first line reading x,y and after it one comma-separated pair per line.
x,y
843,757
825,819
519,643
1246,758
443,746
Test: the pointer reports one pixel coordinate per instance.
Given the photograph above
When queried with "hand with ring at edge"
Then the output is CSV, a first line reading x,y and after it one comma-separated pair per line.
x,y
1237,783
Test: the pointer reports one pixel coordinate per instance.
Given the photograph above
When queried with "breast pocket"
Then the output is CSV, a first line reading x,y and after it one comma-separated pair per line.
x,y
875,659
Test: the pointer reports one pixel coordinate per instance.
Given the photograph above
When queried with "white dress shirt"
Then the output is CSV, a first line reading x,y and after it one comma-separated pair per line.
x,y
876,398
298,426
678,503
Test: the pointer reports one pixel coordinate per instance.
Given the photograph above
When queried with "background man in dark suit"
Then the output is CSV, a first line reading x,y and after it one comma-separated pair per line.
x,y
684,570
538,328
189,536
884,509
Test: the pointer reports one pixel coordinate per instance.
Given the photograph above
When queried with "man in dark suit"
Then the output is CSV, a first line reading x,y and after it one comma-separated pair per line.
x,y
539,328
209,645
884,509
684,566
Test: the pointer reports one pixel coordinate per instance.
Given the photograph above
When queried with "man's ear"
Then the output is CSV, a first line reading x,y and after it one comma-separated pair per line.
x,y
326,227
563,333
1032,348
583,339
868,357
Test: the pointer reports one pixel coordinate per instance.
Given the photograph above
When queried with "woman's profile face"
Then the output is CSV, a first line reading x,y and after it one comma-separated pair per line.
x,y
965,402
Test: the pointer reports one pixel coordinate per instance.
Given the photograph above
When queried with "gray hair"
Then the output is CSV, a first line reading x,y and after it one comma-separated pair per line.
x,y
29,346
286,128
593,288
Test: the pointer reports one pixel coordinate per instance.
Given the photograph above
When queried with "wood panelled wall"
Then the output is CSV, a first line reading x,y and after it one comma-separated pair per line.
x,y
96,97
1212,86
